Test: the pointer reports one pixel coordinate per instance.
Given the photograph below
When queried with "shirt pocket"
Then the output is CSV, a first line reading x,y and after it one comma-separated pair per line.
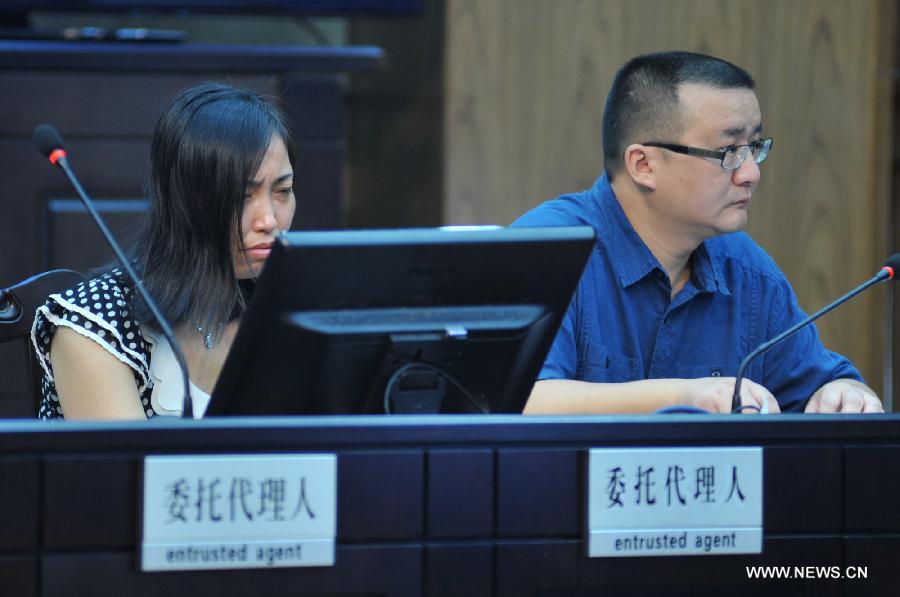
x,y
602,366
698,371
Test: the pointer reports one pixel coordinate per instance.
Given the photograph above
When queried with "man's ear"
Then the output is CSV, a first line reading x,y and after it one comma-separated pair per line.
x,y
640,167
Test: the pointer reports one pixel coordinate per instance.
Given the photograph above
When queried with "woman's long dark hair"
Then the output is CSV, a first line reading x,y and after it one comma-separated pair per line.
x,y
207,147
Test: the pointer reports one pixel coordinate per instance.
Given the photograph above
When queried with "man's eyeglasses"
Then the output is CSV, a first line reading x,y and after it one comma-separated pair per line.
x,y
731,157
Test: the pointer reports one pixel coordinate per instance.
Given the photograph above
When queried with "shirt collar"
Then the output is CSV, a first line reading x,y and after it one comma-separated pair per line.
x,y
706,271
631,257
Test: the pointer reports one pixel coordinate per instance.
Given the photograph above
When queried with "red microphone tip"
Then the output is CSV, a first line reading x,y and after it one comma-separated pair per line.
x,y
56,155
889,270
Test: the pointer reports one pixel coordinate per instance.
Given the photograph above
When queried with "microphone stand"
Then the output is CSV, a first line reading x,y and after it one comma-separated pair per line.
x,y
187,404
885,273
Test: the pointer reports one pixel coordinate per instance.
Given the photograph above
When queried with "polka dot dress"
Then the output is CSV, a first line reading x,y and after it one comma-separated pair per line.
x,y
99,309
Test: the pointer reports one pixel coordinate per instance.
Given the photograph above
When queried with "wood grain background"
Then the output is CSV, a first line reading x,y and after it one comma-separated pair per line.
x,y
525,82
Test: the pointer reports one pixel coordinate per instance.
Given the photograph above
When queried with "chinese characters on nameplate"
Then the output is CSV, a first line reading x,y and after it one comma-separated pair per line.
x,y
674,501
204,512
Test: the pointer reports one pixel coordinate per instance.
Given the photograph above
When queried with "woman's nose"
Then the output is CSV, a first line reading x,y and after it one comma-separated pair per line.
x,y
264,214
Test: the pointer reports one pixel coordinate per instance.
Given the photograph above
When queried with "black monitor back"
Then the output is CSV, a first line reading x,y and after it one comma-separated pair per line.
x,y
374,321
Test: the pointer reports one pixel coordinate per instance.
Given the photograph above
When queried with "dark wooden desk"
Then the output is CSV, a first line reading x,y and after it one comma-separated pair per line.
x,y
104,98
478,505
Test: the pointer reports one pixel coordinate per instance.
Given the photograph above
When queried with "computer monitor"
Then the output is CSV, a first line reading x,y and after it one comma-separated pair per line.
x,y
401,321
342,7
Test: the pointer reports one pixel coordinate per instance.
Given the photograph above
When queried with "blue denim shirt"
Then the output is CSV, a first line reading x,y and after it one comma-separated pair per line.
x,y
622,324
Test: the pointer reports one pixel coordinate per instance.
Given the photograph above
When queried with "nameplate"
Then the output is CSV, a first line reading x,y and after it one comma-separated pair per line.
x,y
674,501
259,511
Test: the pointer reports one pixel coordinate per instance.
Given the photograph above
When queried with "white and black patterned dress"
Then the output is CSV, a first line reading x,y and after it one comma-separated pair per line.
x,y
100,309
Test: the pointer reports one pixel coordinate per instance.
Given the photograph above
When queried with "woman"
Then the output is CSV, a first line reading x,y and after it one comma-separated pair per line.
x,y
220,193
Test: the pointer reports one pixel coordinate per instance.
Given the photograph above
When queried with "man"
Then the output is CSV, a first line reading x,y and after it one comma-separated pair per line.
x,y
674,296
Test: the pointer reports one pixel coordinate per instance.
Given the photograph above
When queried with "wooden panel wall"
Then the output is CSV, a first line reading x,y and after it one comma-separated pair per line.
x,y
394,133
525,82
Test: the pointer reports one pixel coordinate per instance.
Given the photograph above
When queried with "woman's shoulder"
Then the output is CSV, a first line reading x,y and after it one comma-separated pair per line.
x,y
113,284
105,298
99,309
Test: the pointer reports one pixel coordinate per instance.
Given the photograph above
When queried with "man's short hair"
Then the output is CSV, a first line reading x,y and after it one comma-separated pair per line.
x,y
642,104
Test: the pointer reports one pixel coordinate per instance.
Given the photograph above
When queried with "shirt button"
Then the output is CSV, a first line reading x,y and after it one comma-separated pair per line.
x,y
716,373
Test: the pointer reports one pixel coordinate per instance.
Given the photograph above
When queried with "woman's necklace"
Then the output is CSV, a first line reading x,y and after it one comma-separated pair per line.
x,y
207,334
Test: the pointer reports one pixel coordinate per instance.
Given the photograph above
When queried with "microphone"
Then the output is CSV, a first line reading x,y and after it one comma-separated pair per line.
x,y
10,310
50,145
891,266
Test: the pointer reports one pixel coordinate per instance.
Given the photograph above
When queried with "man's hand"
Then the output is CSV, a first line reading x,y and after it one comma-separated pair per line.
x,y
844,396
714,394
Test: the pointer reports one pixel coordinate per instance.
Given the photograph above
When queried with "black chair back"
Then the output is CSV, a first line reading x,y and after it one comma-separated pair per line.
x,y
17,306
